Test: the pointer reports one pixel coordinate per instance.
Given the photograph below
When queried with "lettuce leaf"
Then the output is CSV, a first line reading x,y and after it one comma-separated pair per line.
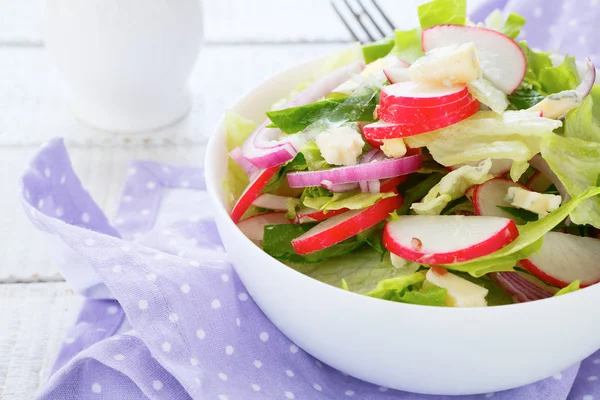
x,y
408,45
417,192
237,130
453,186
496,296
484,91
562,77
440,12
353,108
511,27
527,243
351,200
581,124
410,289
515,135
524,98
375,51
297,164
536,62
313,157
575,163
573,287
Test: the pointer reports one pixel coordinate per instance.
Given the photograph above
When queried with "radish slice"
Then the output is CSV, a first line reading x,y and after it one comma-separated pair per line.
x,y
500,166
344,226
254,227
397,72
391,185
489,195
566,258
541,165
307,215
447,239
502,61
410,94
355,173
539,182
519,288
238,156
383,130
265,147
273,202
397,114
252,192
339,187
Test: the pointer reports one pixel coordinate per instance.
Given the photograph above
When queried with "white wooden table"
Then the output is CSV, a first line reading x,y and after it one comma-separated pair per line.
x,y
36,305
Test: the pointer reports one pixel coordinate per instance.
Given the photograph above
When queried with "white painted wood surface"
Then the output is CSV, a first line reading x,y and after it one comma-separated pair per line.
x,y
247,41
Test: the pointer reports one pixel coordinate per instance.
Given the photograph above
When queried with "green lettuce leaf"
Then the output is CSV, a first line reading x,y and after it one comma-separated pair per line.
x,y
237,129
410,289
313,157
527,243
351,200
375,51
536,62
484,91
563,77
408,45
581,124
400,283
524,98
453,186
297,164
440,12
353,108
277,243
415,193
511,27
374,238
573,287
514,135
575,163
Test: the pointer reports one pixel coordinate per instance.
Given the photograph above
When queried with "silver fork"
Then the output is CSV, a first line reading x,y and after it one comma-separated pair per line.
x,y
364,19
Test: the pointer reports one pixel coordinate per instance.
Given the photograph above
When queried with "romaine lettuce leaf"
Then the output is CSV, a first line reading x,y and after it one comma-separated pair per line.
x,y
237,130
408,45
353,108
440,12
524,98
514,135
313,157
581,124
453,186
351,200
573,287
527,243
277,243
575,163
416,192
377,50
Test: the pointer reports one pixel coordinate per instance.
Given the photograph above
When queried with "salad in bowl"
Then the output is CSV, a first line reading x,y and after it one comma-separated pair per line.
x,y
450,165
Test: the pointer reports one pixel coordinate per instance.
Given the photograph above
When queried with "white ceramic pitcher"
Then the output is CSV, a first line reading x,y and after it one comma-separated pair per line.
x,y
127,61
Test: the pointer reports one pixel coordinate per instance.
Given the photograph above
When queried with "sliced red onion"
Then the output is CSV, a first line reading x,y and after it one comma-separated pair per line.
x,y
519,288
265,147
541,165
387,168
238,156
339,188
588,78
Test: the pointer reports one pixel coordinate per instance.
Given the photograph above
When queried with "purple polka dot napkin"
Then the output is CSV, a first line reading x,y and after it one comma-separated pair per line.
x,y
166,315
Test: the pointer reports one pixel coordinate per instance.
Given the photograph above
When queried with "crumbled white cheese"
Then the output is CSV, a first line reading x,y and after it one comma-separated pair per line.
x,y
373,72
447,65
394,148
340,146
460,292
558,104
538,203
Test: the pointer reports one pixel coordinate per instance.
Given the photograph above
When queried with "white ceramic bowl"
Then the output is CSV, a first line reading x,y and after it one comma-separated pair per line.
x,y
420,349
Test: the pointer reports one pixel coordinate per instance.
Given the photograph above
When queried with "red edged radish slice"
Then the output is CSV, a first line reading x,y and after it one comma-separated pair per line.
x,y
273,202
382,130
344,226
539,182
489,195
469,193
541,165
413,115
447,239
307,215
252,192
254,227
410,94
397,72
519,288
391,185
566,258
387,168
502,61
500,166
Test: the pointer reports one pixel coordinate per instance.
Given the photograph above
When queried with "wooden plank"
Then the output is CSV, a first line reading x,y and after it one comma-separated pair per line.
x,y
33,321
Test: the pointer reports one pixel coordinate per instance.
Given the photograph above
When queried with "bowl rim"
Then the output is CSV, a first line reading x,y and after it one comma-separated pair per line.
x,y
211,159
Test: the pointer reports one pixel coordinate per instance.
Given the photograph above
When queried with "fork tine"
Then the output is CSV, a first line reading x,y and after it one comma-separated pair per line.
x,y
385,17
358,19
368,14
337,11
